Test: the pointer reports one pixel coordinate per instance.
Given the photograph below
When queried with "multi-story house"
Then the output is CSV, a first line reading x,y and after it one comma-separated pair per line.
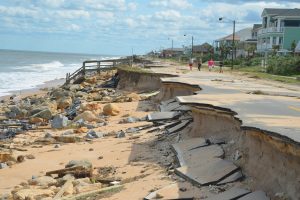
x,y
280,28
242,39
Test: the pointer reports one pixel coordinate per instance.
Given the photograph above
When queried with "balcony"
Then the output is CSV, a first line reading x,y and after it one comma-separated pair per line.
x,y
270,30
266,46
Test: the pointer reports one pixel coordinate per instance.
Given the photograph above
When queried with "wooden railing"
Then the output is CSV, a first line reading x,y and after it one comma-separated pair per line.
x,y
91,66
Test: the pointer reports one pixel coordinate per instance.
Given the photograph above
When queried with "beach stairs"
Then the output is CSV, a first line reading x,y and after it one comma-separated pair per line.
x,y
91,67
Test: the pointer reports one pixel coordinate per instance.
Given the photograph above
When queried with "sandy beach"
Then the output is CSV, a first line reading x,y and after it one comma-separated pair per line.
x,y
136,159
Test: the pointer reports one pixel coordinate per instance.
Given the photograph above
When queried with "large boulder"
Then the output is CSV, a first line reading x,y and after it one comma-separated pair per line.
x,y
134,97
111,109
33,193
43,181
90,106
80,94
59,121
64,102
44,114
35,120
79,163
87,116
75,87
16,112
97,97
51,105
59,93
91,80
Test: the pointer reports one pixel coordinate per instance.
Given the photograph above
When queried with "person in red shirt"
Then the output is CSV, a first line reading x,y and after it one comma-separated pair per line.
x,y
191,62
211,64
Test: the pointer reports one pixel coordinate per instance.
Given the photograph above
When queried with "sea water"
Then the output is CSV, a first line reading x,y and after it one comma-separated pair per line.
x,y
21,70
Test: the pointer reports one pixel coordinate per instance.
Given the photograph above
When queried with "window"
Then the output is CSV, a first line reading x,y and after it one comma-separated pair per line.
x,y
280,40
274,40
292,23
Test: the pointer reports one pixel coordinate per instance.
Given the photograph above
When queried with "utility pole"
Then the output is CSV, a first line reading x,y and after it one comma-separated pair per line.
x,y
233,55
192,45
131,56
172,44
233,45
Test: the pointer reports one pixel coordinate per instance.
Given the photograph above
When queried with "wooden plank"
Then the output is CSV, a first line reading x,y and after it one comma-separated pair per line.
x,y
95,192
62,190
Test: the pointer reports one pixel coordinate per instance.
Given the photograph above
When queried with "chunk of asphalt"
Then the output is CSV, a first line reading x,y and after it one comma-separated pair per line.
x,y
167,102
163,126
170,107
232,178
188,144
162,116
201,155
217,141
232,194
182,108
178,127
257,195
171,191
207,173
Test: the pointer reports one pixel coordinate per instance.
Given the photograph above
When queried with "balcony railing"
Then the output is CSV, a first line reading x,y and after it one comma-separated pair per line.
x,y
270,30
266,46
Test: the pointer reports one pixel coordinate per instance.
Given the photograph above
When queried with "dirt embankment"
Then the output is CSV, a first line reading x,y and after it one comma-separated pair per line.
x,y
140,81
268,162
171,90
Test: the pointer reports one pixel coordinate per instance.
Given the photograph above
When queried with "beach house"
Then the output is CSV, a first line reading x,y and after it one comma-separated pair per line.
x,y
172,52
243,39
280,29
203,49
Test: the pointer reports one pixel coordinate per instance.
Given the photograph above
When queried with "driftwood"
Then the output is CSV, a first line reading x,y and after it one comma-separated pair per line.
x,y
62,190
107,180
95,192
77,172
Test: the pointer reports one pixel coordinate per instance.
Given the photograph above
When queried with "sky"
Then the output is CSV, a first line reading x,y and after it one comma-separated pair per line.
x,y
120,27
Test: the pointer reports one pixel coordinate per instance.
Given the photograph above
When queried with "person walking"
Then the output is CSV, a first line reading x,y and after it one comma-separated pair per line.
x,y
199,64
221,66
191,62
211,64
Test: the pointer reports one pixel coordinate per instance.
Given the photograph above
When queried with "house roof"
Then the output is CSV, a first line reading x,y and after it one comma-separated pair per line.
x,y
282,12
230,38
174,49
256,26
202,48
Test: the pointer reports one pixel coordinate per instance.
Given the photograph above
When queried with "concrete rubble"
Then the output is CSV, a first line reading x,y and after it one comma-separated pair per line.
x,y
200,161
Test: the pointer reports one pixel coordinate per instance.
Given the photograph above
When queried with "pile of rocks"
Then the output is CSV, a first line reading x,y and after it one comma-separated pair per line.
x,y
62,107
72,181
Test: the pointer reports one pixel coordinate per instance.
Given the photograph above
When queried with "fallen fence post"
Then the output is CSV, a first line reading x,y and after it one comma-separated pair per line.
x,y
91,193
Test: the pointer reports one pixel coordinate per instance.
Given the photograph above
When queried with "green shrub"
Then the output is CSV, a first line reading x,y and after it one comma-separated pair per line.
x,y
250,62
283,65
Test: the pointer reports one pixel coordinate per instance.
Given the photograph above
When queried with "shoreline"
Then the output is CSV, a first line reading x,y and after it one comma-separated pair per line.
x,y
38,89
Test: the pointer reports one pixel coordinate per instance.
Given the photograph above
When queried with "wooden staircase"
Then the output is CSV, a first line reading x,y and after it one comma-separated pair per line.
x,y
90,67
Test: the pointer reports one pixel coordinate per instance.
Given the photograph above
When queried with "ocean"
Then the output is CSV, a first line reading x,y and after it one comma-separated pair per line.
x,y
21,70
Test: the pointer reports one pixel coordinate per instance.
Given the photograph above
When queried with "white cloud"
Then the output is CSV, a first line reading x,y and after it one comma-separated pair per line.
x,y
103,4
73,27
132,6
130,22
72,14
105,15
182,4
18,11
167,15
53,3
